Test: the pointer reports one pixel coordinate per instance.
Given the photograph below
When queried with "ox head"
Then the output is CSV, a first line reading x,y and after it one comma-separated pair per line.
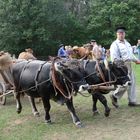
x,y
120,71
72,72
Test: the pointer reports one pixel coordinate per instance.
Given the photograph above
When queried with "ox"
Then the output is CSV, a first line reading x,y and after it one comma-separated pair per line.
x,y
48,81
28,54
116,72
84,52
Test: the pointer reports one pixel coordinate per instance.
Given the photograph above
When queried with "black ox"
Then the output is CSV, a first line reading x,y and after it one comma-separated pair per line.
x,y
45,80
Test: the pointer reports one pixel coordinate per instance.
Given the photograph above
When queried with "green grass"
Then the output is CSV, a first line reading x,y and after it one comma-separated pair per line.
x,y
137,73
122,124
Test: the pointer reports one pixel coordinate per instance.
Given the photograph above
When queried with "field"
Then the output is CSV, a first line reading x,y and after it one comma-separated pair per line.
x,y
122,124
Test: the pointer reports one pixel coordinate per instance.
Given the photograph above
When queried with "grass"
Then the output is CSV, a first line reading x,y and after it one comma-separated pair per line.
x,y
122,124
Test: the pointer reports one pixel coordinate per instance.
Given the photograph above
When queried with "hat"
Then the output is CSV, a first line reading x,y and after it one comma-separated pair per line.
x,y
61,45
66,47
120,29
93,40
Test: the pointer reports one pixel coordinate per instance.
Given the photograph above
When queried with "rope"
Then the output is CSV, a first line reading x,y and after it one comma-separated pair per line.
x,y
9,92
25,89
84,95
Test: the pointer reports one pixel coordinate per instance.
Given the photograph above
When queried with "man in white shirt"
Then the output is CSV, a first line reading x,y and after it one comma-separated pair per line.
x,y
121,49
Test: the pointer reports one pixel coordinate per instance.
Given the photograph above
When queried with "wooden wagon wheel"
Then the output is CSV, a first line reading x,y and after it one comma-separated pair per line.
x,y
2,91
2,99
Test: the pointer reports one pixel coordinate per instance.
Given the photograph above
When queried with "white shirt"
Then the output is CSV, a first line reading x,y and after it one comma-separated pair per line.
x,y
121,50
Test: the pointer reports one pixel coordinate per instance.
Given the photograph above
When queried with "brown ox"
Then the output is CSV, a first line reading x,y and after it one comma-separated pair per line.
x,y
82,52
28,54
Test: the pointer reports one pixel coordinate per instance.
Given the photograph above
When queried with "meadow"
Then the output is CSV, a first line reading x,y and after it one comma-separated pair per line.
x,y
122,124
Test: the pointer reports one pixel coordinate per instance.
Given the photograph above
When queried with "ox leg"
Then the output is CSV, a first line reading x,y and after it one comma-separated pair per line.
x,y
47,107
33,106
19,106
94,108
103,100
71,109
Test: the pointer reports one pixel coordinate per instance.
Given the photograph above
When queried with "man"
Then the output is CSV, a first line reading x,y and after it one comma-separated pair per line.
x,y
97,51
121,49
62,52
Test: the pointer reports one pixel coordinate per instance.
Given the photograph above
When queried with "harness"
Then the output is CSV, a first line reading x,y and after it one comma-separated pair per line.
x,y
53,79
37,74
35,87
57,85
100,71
102,76
70,88
67,82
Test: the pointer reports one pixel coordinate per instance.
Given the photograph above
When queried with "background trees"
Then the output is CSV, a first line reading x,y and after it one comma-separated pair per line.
x,y
106,15
43,24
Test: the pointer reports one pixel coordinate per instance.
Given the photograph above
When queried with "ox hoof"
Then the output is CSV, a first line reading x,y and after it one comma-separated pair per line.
x,y
48,122
96,112
18,111
79,124
36,114
107,113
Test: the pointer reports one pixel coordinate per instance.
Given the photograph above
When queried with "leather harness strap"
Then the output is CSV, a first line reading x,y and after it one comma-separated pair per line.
x,y
56,83
37,74
100,71
22,73
36,77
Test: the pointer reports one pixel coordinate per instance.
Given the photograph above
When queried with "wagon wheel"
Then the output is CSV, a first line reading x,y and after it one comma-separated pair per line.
x,y
2,99
2,91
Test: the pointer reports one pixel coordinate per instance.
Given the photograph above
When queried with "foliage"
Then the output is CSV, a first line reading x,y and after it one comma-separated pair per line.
x,y
107,15
44,24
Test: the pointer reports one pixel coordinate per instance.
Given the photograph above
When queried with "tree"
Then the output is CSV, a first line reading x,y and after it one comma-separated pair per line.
x,y
44,24
38,24
21,24
107,15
